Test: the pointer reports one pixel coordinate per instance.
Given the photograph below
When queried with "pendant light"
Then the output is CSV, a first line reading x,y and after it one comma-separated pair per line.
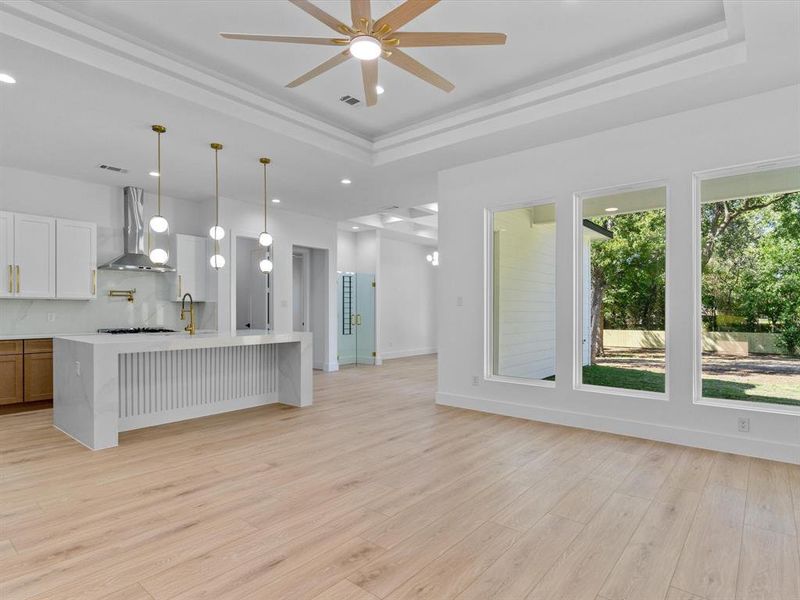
x,y
216,232
159,226
265,238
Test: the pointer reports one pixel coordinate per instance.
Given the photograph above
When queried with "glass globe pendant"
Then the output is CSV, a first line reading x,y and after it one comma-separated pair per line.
x,y
217,261
265,265
216,232
265,239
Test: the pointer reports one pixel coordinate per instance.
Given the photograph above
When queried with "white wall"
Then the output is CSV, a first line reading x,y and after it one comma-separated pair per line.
x,y
318,302
346,251
407,302
42,194
671,148
526,267
288,229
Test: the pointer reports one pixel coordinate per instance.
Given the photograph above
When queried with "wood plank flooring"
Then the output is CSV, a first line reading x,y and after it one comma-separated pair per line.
x,y
377,493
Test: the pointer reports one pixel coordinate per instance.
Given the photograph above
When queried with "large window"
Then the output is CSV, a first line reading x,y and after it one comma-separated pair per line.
x,y
523,302
749,255
621,290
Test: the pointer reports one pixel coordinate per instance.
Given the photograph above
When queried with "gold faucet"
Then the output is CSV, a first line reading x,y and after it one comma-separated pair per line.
x,y
191,326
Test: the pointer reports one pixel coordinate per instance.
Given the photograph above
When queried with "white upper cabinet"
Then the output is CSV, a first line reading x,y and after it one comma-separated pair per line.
x,y
190,254
34,256
76,260
7,287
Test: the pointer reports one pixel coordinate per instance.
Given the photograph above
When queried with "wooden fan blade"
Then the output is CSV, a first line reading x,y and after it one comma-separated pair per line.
x,y
410,9
405,62
359,9
320,15
409,39
286,39
319,70
369,73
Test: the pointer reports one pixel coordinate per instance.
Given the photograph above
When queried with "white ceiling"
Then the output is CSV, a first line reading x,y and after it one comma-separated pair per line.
x,y
86,96
545,39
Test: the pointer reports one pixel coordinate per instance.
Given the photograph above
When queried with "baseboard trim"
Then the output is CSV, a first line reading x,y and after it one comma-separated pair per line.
x,y
696,438
407,353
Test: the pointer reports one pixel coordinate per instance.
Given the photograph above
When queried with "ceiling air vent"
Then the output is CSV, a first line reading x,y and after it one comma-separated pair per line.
x,y
350,100
113,169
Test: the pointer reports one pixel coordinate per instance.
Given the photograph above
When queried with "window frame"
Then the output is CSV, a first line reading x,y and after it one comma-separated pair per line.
x,y
577,295
488,300
697,284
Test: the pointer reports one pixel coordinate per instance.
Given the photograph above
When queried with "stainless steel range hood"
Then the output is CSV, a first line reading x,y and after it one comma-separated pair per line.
x,y
134,257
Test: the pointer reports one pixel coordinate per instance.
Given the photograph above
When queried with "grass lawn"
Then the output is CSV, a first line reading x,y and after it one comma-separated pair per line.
x,y
635,379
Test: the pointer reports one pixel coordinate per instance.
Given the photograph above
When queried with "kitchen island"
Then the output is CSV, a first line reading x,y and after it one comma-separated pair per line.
x,y
104,383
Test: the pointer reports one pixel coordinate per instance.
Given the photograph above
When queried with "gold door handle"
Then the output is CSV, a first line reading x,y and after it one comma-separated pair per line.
x,y
19,279
10,279
94,282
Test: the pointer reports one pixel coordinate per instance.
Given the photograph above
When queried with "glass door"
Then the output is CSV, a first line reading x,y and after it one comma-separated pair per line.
x,y
356,299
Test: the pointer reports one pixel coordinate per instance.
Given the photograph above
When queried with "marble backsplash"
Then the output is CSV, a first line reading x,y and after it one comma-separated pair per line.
x,y
153,306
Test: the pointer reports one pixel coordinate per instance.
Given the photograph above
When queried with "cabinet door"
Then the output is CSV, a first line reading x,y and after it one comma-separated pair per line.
x,y
76,259
6,254
35,256
190,264
11,379
38,377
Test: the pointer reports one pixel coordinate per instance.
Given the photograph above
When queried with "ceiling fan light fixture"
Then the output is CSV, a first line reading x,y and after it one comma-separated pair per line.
x,y
365,47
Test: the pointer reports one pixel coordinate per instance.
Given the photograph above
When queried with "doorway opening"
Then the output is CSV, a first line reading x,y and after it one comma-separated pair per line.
x,y
253,288
310,291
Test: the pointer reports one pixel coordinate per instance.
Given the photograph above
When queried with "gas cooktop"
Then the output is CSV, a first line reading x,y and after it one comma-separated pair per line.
x,y
119,330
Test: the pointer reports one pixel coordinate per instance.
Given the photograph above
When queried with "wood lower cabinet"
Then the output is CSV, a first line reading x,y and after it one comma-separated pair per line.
x,y
38,377
11,374
26,370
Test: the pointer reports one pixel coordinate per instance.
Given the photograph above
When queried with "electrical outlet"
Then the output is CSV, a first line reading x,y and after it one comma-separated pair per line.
x,y
476,379
77,368
51,317
743,424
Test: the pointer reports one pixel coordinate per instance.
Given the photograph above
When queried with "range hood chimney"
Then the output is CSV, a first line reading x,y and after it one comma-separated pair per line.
x,y
134,257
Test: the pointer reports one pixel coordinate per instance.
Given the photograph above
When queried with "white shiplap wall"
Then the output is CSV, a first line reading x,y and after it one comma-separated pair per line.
x,y
525,295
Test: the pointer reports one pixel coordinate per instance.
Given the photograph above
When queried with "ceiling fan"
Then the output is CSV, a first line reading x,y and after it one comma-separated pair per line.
x,y
367,40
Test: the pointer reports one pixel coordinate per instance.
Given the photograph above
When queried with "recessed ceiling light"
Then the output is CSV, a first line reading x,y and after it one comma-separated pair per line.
x,y
355,227
346,182
154,174
6,78
612,209
379,89
276,200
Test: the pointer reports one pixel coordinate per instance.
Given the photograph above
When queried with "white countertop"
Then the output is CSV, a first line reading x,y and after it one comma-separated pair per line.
x,y
142,342
37,336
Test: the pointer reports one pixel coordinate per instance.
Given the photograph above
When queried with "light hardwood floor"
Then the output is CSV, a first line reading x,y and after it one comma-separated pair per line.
x,y
375,492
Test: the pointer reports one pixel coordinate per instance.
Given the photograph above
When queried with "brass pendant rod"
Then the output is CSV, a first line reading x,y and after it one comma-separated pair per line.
x,y
159,129
265,162
216,147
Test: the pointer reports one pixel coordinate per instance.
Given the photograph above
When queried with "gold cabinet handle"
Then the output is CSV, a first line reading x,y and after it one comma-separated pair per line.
x,y
19,279
94,282
180,286
10,279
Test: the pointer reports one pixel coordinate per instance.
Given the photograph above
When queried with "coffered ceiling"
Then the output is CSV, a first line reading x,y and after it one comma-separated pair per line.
x,y
94,75
546,39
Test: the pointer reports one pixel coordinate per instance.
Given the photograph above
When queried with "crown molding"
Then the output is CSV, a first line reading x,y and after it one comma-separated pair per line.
x,y
694,53
52,30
